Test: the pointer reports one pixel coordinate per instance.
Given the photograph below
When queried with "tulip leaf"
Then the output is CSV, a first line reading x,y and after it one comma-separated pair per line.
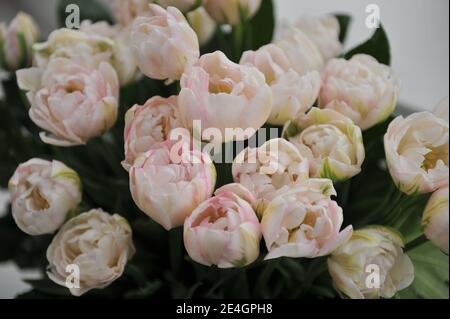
x,y
431,274
344,23
89,10
377,46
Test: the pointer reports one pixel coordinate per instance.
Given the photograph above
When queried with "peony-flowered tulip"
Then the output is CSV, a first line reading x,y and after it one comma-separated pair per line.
x,y
417,152
147,125
441,110
42,193
332,143
16,41
170,180
98,244
232,11
125,11
163,43
324,32
266,169
203,25
182,5
371,264
293,94
361,88
435,219
303,221
71,102
224,96
302,53
223,231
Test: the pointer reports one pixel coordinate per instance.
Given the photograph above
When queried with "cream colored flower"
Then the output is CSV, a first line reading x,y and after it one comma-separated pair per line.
x,y
203,25
371,264
435,219
332,143
417,152
231,11
97,243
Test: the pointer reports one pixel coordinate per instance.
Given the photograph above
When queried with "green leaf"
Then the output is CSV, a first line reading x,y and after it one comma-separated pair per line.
x,y
344,23
89,10
262,25
377,46
431,274
47,286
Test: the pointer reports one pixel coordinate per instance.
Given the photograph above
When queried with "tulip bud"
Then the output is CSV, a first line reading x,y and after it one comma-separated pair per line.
x,y
371,264
332,144
147,125
223,231
16,41
303,221
163,43
42,194
97,243
182,5
435,219
361,88
417,152
266,169
125,11
170,181
202,24
224,96
324,32
232,11
71,102
293,94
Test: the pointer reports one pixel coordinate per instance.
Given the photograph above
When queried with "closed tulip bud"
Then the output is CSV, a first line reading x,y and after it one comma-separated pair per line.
x,y
42,193
223,231
98,244
371,264
170,181
293,94
232,11
203,25
71,102
224,96
147,125
360,88
163,43
324,32
266,169
303,221
417,152
16,41
302,53
435,219
332,143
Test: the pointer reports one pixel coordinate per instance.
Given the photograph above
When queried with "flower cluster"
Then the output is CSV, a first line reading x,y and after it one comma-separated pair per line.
x,y
283,191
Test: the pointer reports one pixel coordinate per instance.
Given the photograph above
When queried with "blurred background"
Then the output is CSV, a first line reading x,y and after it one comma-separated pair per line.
x,y
418,31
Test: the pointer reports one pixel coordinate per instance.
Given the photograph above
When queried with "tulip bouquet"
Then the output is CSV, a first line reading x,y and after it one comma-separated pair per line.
x,y
187,149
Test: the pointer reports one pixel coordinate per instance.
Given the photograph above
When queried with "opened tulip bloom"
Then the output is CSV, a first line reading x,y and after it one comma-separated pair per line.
x,y
42,194
71,102
372,251
302,53
417,152
303,221
266,169
147,125
16,41
435,219
324,32
361,88
223,231
170,181
97,243
163,43
332,143
223,96
231,11
293,94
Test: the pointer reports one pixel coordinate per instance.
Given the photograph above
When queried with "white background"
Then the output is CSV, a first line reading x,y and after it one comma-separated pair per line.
x,y
418,31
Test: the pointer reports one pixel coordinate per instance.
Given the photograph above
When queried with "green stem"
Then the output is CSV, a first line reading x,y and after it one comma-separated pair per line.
x,y
419,241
